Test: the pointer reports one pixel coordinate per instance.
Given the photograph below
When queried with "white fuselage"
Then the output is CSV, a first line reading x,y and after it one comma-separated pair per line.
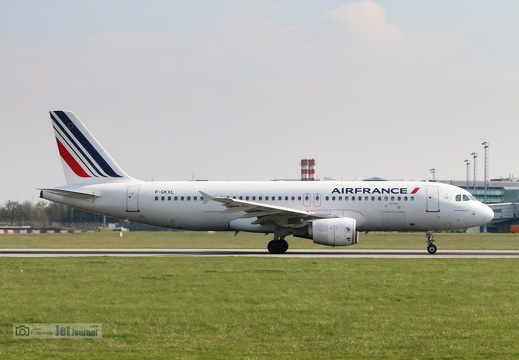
x,y
375,205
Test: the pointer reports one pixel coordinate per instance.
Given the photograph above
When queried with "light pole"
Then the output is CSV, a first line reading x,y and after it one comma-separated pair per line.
x,y
486,145
467,162
474,156
433,171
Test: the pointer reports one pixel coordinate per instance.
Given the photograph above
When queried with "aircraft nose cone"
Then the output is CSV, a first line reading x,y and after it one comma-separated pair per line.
x,y
487,214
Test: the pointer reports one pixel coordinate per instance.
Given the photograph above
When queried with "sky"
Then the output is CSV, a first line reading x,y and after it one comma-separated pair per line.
x,y
243,90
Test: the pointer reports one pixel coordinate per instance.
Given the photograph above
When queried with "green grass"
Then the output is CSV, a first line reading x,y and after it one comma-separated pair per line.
x,y
264,308
258,308
226,240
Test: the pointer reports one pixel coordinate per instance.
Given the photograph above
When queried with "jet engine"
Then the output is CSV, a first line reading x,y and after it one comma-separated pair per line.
x,y
331,232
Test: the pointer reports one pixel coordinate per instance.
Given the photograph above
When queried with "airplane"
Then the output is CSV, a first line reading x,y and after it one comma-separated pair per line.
x,y
331,213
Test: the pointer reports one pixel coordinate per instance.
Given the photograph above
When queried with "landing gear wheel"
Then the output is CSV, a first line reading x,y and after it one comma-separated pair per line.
x,y
277,246
285,245
431,249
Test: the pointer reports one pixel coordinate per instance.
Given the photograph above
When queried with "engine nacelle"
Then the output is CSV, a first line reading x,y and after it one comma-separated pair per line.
x,y
331,232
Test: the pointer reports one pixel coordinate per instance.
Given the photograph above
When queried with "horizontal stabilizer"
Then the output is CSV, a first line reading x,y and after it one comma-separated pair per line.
x,y
73,194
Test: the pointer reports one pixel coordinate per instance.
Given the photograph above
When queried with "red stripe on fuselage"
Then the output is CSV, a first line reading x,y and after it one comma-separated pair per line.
x,y
71,162
415,190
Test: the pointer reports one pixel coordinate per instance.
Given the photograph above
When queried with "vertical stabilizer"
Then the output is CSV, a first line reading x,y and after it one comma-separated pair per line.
x,y
84,160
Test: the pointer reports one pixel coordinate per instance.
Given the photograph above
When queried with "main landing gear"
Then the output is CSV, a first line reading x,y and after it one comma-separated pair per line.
x,y
279,245
431,248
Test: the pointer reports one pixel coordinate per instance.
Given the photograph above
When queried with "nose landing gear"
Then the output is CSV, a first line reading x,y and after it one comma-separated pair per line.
x,y
431,248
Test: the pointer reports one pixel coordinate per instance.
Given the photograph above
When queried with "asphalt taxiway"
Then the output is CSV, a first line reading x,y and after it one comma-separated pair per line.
x,y
296,253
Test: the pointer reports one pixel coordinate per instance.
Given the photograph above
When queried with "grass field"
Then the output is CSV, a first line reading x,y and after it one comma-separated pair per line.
x,y
259,308
226,240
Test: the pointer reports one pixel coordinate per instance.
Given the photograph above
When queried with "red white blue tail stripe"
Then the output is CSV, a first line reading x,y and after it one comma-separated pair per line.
x,y
80,151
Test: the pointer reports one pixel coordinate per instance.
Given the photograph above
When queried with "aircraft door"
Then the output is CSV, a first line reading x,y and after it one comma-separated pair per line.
x,y
132,199
433,199
317,200
307,200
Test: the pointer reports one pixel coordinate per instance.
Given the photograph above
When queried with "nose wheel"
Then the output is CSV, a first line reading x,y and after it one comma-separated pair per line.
x,y
431,248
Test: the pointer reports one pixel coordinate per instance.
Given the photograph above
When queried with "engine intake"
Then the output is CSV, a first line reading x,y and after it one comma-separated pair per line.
x,y
331,232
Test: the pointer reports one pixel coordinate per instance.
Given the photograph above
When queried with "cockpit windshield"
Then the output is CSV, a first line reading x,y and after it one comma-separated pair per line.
x,y
465,197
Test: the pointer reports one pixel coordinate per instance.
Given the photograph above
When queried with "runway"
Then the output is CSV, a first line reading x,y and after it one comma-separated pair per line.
x,y
296,253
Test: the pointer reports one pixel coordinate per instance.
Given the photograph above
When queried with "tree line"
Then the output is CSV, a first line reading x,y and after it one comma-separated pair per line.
x,y
45,215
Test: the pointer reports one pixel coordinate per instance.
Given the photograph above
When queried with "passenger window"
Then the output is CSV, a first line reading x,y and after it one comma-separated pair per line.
x,y
327,198
156,198
189,198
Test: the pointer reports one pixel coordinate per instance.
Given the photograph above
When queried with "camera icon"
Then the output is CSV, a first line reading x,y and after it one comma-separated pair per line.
x,y
22,330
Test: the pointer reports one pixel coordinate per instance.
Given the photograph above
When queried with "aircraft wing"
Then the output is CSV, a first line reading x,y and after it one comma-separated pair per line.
x,y
265,213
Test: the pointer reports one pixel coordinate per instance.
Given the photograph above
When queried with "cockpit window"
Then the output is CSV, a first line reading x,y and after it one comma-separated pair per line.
x,y
465,197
